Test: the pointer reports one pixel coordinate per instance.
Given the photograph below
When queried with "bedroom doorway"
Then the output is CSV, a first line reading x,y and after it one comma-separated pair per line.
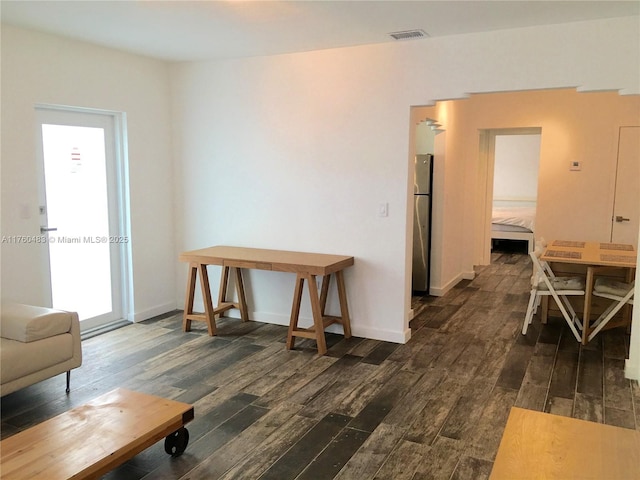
x,y
511,158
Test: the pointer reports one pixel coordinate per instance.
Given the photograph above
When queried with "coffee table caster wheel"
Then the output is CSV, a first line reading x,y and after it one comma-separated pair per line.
x,y
176,443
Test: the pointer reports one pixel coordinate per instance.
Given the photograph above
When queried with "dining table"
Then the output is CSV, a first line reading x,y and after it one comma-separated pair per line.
x,y
596,256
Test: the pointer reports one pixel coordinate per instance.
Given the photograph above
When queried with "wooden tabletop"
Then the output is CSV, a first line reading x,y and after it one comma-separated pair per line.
x,y
539,445
263,259
591,253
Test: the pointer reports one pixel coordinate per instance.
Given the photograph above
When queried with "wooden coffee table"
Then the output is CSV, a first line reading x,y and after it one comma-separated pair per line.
x,y
92,439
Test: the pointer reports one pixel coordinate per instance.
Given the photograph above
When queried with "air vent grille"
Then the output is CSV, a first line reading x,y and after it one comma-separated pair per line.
x,y
408,34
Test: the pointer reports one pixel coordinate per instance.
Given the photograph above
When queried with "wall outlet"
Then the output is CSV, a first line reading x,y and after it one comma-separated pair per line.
x,y
575,166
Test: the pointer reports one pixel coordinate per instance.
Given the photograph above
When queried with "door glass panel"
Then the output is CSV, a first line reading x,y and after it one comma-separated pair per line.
x,y
77,206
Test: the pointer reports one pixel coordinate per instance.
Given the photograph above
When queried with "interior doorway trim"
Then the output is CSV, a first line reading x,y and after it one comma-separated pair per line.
x,y
487,150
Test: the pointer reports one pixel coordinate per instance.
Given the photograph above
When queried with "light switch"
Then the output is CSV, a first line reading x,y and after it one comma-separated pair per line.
x,y
383,209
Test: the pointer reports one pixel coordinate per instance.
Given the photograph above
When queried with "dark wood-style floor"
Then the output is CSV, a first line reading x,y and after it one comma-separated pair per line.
x,y
432,408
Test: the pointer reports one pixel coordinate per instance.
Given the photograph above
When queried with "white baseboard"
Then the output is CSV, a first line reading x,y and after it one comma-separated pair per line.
x,y
469,275
440,291
631,372
363,331
151,312
379,334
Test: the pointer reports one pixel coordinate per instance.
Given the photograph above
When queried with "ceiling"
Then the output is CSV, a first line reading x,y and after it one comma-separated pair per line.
x,y
198,30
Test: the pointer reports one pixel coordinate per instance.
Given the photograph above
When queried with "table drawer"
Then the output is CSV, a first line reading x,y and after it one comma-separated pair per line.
x,y
247,264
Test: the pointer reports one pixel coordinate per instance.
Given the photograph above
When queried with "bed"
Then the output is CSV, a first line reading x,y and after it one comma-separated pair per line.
x,y
514,220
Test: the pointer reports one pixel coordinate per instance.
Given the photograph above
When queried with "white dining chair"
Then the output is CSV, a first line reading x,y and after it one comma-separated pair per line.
x,y
541,244
545,283
621,293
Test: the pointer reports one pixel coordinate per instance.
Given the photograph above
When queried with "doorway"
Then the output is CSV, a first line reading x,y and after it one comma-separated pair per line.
x,y
510,158
81,213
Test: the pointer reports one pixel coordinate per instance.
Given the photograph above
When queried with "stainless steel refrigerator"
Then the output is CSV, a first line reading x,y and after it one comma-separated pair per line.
x,y
422,185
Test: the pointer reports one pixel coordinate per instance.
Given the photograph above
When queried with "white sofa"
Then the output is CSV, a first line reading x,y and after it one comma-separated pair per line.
x,y
36,343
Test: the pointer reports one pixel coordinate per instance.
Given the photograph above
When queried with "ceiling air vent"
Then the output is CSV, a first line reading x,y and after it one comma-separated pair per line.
x,y
408,34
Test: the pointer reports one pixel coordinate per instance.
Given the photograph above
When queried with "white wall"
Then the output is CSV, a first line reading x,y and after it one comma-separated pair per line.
x,y
39,68
632,367
292,152
296,151
276,153
517,159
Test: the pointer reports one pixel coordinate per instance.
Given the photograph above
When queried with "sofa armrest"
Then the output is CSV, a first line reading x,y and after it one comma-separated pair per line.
x,y
28,323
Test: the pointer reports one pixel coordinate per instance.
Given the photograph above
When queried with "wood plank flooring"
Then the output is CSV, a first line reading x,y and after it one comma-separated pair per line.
x,y
434,408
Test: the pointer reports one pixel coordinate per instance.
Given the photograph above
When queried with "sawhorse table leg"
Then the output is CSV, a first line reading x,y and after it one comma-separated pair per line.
x,y
318,306
209,316
195,270
222,293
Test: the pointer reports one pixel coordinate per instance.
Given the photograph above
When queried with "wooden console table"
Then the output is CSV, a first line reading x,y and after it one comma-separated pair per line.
x,y
305,265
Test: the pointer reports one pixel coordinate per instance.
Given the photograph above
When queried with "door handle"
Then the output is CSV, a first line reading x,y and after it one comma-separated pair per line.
x,y
620,219
48,229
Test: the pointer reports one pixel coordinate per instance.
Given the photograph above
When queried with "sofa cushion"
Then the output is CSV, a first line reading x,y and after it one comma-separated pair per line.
x,y
26,323
19,359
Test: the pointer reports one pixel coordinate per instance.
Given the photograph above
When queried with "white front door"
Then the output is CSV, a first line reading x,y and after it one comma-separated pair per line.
x,y
80,214
626,207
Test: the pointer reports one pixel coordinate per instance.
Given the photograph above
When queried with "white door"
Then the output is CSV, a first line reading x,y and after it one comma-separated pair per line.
x,y
80,214
626,207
